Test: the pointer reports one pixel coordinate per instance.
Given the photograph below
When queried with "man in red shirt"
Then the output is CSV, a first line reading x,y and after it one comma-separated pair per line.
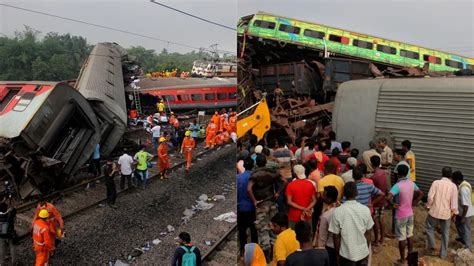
x,y
380,181
319,155
335,158
301,197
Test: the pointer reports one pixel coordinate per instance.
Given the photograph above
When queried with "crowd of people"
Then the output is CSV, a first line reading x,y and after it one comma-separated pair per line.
x,y
320,203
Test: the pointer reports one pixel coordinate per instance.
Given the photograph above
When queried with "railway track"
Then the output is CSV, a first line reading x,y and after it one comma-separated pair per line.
x,y
223,251
87,199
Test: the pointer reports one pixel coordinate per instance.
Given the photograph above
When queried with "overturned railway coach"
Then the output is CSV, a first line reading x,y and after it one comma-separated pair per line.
x,y
435,114
48,130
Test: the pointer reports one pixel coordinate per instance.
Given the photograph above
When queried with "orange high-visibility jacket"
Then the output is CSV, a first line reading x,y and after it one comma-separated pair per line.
x,y
163,158
232,124
54,219
216,119
211,129
188,145
42,240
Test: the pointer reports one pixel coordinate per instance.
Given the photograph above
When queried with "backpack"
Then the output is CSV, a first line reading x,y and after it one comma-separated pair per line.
x,y
189,258
466,184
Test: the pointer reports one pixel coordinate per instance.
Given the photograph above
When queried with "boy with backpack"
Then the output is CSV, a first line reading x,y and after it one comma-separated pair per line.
x,y
186,254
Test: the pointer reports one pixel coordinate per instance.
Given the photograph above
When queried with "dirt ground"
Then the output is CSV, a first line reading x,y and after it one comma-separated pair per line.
x,y
101,235
389,252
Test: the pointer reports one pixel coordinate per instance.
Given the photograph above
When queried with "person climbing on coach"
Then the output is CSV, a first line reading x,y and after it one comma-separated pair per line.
x,y
55,220
211,132
163,158
43,244
187,149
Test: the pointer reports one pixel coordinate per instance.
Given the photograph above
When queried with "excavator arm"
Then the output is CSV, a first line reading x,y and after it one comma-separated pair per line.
x,y
258,122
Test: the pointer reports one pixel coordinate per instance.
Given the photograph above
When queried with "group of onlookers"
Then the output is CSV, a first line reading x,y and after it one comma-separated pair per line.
x,y
319,202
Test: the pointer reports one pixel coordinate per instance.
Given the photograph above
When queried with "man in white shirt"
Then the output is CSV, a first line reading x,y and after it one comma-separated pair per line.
x,y
463,219
156,133
350,225
126,164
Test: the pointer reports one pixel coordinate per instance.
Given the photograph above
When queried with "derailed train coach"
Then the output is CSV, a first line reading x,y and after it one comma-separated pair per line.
x,y
50,129
102,81
435,114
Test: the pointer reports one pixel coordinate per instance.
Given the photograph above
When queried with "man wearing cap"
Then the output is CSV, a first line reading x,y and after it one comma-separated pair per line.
x,y
163,159
55,220
43,244
301,197
161,107
187,149
347,176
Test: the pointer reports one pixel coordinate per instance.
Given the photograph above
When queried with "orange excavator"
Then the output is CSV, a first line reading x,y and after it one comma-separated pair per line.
x,y
258,122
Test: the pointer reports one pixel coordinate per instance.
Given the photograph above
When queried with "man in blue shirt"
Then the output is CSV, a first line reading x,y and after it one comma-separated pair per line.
x,y
245,208
194,128
96,160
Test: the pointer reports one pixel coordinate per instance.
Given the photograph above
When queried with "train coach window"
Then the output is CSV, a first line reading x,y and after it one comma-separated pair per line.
x,y
289,29
386,49
314,34
432,59
452,63
169,98
183,97
24,101
6,98
210,96
471,67
337,38
196,97
409,54
264,24
363,44
221,96
232,95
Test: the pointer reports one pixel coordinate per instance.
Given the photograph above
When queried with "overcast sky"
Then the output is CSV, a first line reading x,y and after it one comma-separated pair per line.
x,y
443,24
139,16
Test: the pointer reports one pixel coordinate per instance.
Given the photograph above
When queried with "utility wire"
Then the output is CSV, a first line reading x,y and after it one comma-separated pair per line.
x,y
110,28
194,16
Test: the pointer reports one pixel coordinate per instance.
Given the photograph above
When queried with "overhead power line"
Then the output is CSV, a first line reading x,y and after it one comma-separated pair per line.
x,y
194,16
113,29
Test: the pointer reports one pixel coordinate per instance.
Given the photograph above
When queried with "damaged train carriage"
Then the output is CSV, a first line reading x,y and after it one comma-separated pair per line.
x,y
101,81
48,130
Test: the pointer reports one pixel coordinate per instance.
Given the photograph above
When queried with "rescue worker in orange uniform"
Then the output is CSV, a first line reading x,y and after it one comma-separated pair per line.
x,y
223,137
222,122
55,220
187,149
211,132
174,121
163,159
232,123
216,119
43,244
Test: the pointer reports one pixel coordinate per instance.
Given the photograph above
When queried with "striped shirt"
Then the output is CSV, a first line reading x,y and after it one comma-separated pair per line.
x,y
351,220
365,192
443,199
